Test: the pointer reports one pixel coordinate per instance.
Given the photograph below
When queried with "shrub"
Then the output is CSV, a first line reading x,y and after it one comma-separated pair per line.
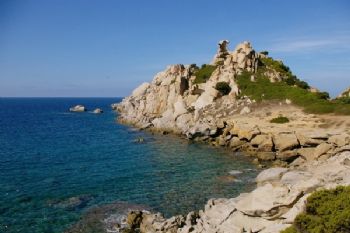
x,y
280,120
265,52
291,80
276,65
302,84
323,95
327,211
204,73
223,88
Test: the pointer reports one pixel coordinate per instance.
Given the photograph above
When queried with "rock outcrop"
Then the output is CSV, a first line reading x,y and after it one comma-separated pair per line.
x,y
345,93
77,108
174,102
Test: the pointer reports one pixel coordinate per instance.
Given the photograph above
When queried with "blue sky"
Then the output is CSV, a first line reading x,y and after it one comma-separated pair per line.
x,y
107,48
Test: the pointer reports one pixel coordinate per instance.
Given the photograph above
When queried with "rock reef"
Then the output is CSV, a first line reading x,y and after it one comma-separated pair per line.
x,y
311,150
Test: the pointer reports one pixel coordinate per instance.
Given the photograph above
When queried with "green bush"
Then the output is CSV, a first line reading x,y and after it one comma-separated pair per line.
x,y
223,88
265,52
262,89
280,120
327,211
204,73
323,95
276,65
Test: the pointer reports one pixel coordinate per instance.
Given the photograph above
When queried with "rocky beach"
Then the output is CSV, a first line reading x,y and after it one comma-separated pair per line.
x,y
302,133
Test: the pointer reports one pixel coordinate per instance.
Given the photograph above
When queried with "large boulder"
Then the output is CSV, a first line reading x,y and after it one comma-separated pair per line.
x,y
285,141
263,142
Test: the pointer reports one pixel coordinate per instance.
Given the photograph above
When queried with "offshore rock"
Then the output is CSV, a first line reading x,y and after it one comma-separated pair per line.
x,y
77,108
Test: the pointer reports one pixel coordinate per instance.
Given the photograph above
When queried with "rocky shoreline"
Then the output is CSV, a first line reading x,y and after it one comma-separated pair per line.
x,y
310,151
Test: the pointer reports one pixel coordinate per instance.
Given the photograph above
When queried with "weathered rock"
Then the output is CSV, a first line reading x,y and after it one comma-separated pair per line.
x,y
321,149
245,132
288,155
266,156
221,53
134,219
270,175
235,143
307,141
307,153
263,142
285,141
340,140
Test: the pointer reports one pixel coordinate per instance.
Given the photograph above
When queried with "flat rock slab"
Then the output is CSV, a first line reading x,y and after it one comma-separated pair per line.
x,y
285,141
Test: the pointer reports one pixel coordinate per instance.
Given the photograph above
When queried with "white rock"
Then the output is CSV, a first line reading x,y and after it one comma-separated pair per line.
x,y
78,108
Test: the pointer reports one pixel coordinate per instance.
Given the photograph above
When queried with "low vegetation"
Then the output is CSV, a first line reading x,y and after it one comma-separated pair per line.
x,y
262,89
290,78
203,74
327,211
280,120
223,87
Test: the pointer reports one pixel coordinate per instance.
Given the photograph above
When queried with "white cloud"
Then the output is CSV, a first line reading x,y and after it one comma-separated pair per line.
x,y
310,44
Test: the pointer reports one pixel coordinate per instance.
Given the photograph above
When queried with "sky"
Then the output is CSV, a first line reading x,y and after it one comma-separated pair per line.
x,y
105,48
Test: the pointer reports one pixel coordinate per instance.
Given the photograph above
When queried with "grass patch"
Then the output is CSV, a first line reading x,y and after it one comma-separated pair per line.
x,y
280,120
263,89
204,73
327,211
223,87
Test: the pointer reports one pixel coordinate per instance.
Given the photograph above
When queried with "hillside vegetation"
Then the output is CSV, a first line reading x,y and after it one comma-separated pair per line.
x,y
290,88
327,211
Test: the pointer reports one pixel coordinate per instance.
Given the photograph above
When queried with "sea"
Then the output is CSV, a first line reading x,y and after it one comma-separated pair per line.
x,y
56,165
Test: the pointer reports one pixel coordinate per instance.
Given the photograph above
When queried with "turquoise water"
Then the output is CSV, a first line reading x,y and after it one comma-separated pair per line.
x,y
55,165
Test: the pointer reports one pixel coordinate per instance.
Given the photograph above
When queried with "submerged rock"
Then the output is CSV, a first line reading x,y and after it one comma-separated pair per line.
x,y
72,203
107,218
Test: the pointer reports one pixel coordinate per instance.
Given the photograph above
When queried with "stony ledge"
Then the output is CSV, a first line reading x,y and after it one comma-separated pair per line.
x,y
310,155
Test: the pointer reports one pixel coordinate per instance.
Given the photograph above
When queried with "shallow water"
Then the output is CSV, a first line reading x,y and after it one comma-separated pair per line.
x,y
55,165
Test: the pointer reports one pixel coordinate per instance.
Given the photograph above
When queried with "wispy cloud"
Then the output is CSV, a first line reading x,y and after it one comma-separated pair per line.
x,y
310,44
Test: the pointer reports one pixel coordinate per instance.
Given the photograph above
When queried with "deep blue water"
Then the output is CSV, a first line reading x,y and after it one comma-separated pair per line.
x,y
49,155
